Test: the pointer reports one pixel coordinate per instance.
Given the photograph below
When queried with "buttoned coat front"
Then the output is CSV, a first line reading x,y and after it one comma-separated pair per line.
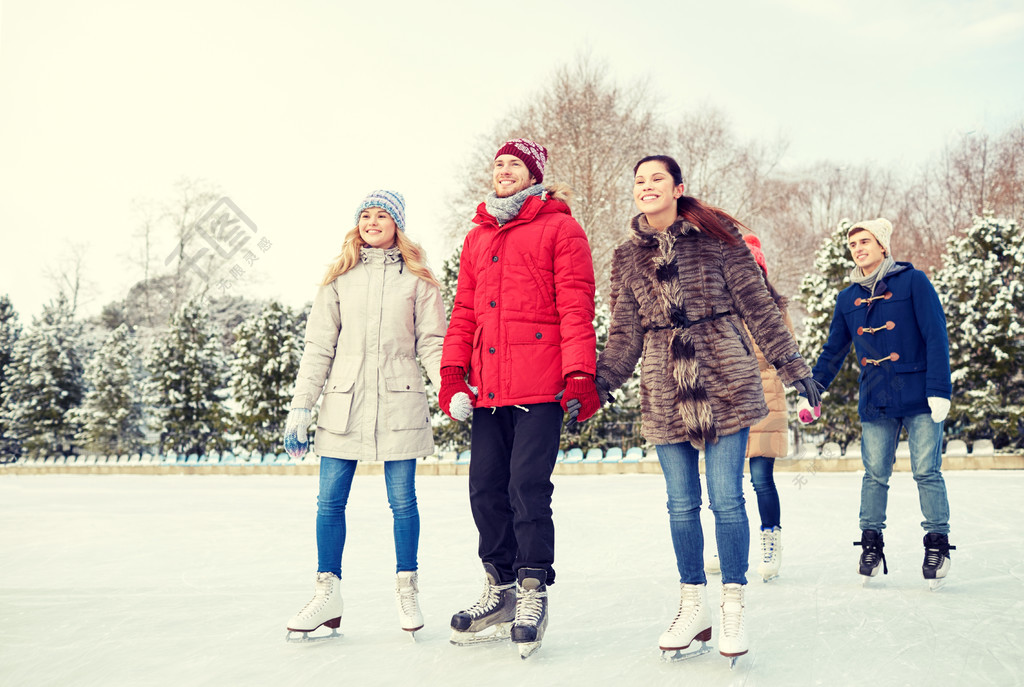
x,y
365,331
901,343
524,307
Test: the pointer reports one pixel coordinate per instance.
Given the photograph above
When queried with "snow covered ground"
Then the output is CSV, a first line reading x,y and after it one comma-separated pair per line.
x,y
188,580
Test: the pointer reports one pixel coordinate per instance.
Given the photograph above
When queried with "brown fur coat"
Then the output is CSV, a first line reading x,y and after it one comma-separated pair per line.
x,y
700,381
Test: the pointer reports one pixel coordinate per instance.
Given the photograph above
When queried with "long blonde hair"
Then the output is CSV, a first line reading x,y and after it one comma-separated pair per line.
x,y
412,255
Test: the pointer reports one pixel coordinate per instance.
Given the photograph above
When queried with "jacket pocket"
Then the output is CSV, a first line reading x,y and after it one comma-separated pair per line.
x,y
544,279
741,337
336,411
535,352
910,383
336,407
406,400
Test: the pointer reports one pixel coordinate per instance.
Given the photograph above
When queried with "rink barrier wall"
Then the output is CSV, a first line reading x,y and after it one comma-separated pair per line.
x,y
574,461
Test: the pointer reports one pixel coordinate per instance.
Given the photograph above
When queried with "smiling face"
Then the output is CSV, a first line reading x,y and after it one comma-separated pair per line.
x,y
655,193
377,228
510,176
867,252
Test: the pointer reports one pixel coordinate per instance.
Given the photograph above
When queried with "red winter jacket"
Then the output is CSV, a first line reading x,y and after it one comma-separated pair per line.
x,y
523,316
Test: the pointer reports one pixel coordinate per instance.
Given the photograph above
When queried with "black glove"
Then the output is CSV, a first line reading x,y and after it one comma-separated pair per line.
x,y
809,388
604,390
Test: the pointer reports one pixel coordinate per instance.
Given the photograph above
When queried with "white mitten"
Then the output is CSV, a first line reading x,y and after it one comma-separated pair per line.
x,y
940,408
806,412
461,406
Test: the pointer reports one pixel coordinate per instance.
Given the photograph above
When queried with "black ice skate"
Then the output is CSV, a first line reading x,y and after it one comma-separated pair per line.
x,y
531,610
936,559
490,618
871,555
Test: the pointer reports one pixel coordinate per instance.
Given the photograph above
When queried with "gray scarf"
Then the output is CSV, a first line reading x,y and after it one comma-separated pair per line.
x,y
869,281
507,209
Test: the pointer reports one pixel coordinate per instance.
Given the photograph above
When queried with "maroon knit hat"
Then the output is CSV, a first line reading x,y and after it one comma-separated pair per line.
x,y
533,155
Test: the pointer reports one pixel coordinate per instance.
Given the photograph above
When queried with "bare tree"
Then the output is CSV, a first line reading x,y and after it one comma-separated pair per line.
x,y
976,174
724,171
1007,193
147,226
179,216
67,275
594,130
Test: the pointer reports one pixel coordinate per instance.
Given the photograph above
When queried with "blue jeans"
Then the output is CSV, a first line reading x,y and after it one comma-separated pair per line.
x,y
761,469
724,473
878,451
336,483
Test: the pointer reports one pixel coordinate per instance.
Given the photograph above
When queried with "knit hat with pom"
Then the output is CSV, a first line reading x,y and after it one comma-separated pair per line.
x,y
391,202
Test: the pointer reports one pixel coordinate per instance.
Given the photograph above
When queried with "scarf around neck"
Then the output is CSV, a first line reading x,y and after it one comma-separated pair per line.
x,y
507,209
869,281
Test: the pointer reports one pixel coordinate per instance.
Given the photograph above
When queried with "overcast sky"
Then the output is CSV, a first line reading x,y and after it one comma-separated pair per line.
x,y
296,110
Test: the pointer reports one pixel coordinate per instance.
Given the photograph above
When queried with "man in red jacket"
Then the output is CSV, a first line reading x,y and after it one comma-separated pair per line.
x,y
522,332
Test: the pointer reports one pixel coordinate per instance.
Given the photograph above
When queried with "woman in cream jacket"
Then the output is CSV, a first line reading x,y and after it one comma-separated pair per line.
x,y
378,309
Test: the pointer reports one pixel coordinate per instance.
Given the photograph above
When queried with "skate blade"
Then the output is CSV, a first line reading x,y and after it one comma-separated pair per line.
x,y
769,578
300,637
732,658
936,584
527,649
864,579
495,633
677,655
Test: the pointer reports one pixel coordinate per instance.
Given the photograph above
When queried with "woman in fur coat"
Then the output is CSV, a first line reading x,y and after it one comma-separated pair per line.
x,y
682,287
377,310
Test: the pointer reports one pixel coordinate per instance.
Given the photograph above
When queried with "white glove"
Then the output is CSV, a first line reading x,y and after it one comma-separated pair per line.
x,y
806,412
939,406
461,406
295,426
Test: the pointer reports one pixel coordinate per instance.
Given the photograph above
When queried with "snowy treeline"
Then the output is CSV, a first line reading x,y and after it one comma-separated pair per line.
x,y
192,390
195,389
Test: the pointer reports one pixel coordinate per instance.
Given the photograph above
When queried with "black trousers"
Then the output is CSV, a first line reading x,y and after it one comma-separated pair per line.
x,y
513,452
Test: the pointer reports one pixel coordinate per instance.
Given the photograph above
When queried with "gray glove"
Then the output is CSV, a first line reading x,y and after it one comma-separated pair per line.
x,y
295,442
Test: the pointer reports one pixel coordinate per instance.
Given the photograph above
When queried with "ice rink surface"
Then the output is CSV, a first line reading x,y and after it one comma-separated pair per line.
x,y
189,580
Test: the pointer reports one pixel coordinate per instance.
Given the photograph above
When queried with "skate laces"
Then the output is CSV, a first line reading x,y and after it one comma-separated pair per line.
x,y
488,600
732,612
767,546
529,605
689,607
933,555
872,552
407,598
319,600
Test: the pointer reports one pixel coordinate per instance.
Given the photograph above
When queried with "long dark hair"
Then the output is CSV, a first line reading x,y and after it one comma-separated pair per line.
x,y
706,217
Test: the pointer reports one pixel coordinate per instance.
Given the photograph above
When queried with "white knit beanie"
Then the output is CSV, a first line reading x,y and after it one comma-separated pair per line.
x,y
880,228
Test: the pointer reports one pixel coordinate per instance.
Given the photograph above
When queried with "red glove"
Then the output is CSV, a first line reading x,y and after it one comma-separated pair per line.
x,y
580,399
453,380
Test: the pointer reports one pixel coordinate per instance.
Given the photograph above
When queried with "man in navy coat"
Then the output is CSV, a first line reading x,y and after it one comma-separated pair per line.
x,y
893,317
